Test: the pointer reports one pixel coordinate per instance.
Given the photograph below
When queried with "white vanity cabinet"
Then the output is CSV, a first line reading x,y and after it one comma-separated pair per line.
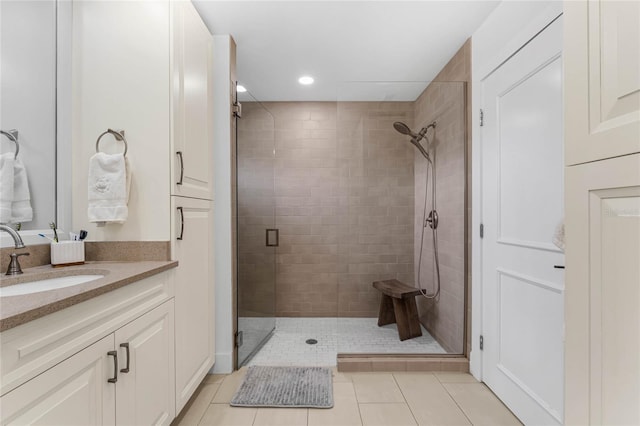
x,y
102,383
145,383
73,392
192,245
192,103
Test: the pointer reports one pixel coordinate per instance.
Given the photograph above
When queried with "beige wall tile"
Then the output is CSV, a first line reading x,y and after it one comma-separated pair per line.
x,y
397,414
443,101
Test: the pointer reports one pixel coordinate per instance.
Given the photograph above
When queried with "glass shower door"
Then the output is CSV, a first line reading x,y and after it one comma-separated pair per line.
x,y
257,236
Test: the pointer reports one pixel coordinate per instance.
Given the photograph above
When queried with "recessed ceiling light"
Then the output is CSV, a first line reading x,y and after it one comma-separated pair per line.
x,y
306,80
240,88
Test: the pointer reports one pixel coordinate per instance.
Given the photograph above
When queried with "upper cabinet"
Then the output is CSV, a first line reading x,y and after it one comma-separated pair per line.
x,y
192,104
602,84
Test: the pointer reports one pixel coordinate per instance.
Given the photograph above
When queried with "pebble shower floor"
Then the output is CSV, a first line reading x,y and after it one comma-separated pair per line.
x,y
288,347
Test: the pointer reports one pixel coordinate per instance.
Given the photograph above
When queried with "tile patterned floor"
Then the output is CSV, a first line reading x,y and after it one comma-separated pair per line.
x,y
287,346
392,399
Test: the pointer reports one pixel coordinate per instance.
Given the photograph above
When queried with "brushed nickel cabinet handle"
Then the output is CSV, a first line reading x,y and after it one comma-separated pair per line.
x,y
181,223
179,153
114,354
126,347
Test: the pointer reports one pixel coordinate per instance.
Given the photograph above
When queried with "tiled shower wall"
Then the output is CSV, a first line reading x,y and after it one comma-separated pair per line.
x,y
349,205
343,203
255,210
444,101
376,180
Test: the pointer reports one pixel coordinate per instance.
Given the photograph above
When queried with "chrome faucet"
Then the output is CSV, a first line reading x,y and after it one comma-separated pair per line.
x,y
17,240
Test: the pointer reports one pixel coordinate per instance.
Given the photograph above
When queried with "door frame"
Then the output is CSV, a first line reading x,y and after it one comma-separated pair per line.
x,y
482,68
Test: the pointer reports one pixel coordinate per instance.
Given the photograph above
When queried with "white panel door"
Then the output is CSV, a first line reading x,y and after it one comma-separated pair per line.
x,y
146,381
74,392
194,294
192,56
602,64
522,203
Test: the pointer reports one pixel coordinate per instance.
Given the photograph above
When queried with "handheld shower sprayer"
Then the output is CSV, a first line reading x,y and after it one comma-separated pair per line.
x,y
415,137
430,220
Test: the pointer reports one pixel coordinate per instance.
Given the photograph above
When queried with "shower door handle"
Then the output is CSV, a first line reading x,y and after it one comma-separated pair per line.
x,y
272,237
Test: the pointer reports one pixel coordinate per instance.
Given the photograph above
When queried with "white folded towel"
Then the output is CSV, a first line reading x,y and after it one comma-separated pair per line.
x,y
109,181
6,186
558,236
21,210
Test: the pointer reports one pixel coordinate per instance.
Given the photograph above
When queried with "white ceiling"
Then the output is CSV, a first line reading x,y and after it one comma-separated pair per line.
x,y
341,42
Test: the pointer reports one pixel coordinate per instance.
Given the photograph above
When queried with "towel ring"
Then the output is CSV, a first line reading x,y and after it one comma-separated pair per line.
x,y
12,135
118,134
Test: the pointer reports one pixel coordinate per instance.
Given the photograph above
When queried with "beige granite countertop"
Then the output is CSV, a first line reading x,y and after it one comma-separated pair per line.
x,y
16,310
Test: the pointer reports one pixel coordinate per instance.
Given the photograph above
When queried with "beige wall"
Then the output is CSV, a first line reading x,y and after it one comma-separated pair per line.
x,y
134,98
444,101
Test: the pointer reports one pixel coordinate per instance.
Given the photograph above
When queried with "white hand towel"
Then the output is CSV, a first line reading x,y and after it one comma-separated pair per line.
x,y
21,210
109,180
558,236
6,186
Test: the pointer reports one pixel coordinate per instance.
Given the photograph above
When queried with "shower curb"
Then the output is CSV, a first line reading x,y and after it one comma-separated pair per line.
x,y
369,363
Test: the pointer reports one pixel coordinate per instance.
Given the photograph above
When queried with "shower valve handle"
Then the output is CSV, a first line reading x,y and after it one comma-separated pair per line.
x,y
432,220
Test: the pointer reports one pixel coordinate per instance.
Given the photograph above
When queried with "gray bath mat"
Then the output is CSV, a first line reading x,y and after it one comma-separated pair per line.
x,y
309,387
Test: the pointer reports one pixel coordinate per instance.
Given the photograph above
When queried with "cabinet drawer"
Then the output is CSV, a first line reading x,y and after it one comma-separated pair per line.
x,y
31,348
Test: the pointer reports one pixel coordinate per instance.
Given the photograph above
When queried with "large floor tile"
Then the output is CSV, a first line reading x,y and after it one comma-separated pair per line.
x,y
345,410
281,417
429,401
450,377
339,377
229,386
386,414
225,415
376,387
199,403
480,405
214,378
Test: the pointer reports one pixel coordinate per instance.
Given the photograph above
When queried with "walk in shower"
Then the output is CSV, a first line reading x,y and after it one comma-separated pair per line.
x,y
346,192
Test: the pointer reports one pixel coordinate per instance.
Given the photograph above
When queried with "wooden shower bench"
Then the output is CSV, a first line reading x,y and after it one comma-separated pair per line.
x,y
398,304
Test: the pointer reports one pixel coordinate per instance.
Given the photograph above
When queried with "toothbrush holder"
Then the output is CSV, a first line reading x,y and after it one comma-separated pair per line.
x,y
65,253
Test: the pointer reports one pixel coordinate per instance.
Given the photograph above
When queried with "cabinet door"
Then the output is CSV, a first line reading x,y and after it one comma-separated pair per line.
x,y
192,57
602,309
194,295
74,392
146,389
602,84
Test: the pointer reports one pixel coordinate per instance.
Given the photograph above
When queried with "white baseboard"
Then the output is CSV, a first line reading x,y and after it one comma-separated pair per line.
x,y
224,363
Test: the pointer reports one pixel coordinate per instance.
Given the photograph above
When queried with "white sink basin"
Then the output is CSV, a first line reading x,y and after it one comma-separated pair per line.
x,y
46,285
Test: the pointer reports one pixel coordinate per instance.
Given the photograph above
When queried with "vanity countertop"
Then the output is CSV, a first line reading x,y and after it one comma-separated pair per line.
x,y
17,310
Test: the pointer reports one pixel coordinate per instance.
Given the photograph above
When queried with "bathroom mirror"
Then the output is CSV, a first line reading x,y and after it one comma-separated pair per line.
x,y
34,101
